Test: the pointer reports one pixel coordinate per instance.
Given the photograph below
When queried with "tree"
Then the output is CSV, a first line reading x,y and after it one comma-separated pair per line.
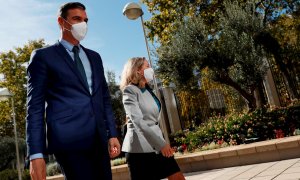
x,y
272,9
116,99
165,13
231,55
193,106
13,67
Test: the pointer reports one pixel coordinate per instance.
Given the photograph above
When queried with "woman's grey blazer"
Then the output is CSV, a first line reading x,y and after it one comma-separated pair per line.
x,y
143,132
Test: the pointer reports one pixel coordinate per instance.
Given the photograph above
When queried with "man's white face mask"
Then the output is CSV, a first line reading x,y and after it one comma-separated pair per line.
x,y
78,30
149,74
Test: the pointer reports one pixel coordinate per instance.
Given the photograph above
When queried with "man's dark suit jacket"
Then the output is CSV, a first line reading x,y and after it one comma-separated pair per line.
x,y
60,105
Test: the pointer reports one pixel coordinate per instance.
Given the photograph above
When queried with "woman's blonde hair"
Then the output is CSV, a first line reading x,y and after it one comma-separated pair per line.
x,y
130,74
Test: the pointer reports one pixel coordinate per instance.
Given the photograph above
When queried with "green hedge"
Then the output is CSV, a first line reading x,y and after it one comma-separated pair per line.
x,y
8,151
262,124
12,174
53,169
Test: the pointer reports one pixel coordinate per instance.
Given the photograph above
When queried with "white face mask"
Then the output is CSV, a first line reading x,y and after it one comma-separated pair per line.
x,y
149,74
78,30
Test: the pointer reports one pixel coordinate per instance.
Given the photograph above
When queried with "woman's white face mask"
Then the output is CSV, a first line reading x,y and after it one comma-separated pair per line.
x,y
149,74
78,30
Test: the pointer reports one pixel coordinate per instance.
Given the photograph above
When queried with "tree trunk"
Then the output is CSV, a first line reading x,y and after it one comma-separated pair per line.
x,y
249,97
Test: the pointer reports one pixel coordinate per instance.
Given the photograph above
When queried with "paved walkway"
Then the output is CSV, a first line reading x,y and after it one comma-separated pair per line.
x,y
278,170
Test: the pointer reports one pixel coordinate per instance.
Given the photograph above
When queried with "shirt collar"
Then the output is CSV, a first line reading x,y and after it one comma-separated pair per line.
x,y
68,45
143,89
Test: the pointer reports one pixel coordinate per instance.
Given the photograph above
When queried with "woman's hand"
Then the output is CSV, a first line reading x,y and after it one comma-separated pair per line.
x,y
167,151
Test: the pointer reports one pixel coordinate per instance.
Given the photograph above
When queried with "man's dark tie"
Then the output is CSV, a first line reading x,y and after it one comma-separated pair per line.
x,y
79,64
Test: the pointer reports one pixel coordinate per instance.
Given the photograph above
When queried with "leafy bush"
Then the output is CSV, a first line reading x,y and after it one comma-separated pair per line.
x,y
12,174
8,151
118,161
262,124
53,169
26,175
9,174
297,132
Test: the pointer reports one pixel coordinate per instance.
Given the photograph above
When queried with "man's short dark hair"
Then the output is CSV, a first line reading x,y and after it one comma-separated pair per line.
x,y
63,10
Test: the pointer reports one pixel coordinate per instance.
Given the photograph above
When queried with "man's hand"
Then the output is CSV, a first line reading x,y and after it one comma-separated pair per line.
x,y
114,147
38,169
167,151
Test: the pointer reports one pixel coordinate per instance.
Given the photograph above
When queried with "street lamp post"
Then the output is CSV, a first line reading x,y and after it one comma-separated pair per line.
x,y
133,11
6,95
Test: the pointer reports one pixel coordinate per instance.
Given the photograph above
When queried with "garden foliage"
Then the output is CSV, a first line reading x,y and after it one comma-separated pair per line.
x,y
12,174
53,169
262,124
8,151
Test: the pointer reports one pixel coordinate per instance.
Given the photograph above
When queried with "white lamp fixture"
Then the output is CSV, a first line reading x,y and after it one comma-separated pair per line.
x,y
4,94
132,11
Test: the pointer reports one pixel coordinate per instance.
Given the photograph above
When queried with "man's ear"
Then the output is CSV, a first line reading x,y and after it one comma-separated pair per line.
x,y
60,21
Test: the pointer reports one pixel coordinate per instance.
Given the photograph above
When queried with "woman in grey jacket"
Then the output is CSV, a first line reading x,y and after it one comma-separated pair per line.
x,y
147,153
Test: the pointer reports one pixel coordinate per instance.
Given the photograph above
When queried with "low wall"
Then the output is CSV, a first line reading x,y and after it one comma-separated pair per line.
x,y
259,152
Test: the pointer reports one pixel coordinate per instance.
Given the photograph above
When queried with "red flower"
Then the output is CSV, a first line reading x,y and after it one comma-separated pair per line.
x,y
220,142
279,133
183,147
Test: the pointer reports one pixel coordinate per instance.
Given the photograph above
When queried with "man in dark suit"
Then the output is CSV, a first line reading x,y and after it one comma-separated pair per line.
x,y
68,101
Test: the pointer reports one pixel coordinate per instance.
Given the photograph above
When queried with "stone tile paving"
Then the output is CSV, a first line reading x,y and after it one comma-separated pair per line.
x,y
278,170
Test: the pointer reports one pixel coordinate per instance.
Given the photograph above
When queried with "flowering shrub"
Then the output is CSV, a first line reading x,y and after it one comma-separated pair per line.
x,y
214,145
118,161
279,133
262,124
181,148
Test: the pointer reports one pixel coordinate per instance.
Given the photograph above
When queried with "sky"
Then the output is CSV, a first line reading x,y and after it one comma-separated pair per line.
x,y
110,33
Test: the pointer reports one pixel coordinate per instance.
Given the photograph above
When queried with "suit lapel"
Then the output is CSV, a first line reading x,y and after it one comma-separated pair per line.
x,y
95,71
67,58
